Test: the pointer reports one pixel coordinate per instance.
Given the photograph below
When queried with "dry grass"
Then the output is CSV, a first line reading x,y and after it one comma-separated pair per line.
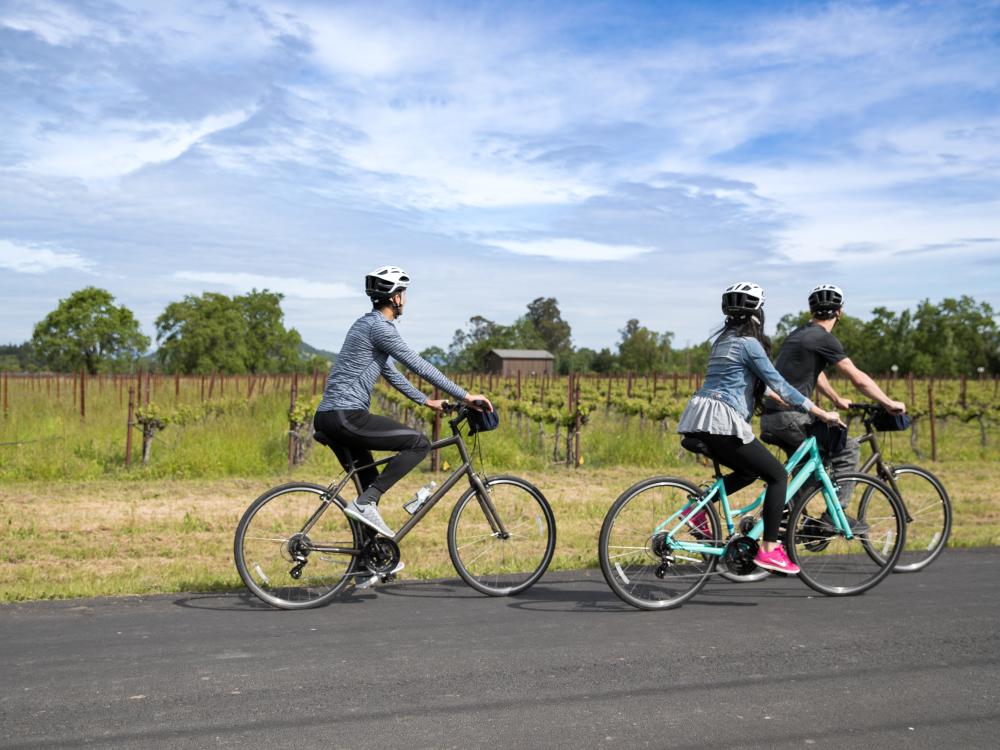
x,y
110,537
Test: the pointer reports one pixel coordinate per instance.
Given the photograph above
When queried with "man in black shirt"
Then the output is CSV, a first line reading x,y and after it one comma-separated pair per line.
x,y
807,351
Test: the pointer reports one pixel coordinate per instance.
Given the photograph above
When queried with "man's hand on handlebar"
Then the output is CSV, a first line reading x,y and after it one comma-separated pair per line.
x,y
479,402
831,418
895,407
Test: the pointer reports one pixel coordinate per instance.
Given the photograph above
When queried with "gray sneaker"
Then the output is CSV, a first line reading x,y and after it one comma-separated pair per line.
x,y
368,514
367,582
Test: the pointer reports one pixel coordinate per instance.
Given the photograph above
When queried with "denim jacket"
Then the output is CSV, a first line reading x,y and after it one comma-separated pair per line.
x,y
735,365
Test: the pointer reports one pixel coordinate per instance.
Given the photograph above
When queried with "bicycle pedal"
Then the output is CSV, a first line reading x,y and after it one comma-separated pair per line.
x,y
388,577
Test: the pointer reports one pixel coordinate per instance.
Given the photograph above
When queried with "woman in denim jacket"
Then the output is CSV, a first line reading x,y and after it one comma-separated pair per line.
x,y
719,413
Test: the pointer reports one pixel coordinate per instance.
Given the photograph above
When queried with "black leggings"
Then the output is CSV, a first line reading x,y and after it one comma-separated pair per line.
x,y
750,461
362,432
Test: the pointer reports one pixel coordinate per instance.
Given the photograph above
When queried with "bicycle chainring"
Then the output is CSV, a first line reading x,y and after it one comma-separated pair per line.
x,y
380,555
739,555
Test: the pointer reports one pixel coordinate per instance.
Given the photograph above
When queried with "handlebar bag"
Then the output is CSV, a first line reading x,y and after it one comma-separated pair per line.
x,y
883,421
830,439
483,421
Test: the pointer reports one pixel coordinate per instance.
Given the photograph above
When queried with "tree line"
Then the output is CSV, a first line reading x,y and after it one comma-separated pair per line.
x,y
199,334
246,333
951,338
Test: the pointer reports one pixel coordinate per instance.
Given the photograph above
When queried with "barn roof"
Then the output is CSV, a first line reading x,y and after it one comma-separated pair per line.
x,y
522,353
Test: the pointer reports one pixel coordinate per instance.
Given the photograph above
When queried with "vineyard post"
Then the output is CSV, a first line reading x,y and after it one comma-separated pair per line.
x,y
930,415
211,385
149,388
291,420
128,427
83,393
138,386
607,404
436,434
202,387
628,389
518,385
576,429
6,392
177,386
74,388
315,380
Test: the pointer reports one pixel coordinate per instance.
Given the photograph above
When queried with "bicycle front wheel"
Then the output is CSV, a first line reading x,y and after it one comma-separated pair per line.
x,y
640,560
928,517
289,562
830,562
502,545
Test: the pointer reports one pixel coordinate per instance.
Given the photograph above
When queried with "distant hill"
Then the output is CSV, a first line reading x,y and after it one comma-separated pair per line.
x,y
309,351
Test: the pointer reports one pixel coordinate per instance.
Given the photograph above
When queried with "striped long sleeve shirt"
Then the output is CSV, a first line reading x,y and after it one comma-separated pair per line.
x,y
369,348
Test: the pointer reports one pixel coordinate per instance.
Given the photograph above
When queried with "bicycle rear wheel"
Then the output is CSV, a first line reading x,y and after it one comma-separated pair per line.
x,y
287,565
505,558
928,513
639,563
834,565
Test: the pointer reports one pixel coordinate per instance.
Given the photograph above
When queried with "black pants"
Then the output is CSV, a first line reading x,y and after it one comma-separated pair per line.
x,y
361,433
749,462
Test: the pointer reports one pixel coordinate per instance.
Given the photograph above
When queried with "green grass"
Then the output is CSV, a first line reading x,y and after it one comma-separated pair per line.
x,y
106,537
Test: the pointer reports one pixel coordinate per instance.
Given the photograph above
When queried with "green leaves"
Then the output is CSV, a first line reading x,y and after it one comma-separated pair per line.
x,y
88,330
216,333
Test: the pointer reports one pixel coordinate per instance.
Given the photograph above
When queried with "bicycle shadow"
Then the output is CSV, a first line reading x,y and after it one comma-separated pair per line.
x,y
244,601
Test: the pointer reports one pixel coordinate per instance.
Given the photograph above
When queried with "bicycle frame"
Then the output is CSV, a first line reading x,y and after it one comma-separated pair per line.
x,y
333,491
813,466
884,470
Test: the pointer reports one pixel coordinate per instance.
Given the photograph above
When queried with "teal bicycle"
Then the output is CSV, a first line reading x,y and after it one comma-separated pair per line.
x,y
654,556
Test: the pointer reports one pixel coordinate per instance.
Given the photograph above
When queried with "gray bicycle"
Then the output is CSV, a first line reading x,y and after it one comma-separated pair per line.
x,y
295,547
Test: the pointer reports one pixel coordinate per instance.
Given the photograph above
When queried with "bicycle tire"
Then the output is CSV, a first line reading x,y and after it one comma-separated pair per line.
x,y
531,542
929,515
834,565
634,570
264,558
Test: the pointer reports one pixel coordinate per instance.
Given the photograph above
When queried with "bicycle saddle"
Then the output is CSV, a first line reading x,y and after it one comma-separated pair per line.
x,y
693,444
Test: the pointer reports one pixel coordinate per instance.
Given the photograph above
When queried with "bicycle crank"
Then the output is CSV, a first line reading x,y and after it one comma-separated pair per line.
x,y
380,555
739,555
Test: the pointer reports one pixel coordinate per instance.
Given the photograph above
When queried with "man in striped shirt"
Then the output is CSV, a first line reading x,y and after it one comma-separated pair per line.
x,y
343,414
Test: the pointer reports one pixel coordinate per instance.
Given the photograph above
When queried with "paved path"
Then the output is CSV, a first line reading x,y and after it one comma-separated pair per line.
x,y
914,663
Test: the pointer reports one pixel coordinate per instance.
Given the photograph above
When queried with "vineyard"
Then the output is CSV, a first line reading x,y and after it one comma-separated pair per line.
x,y
150,425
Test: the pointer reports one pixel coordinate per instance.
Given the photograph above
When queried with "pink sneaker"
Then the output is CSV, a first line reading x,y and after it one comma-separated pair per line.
x,y
776,560
699,525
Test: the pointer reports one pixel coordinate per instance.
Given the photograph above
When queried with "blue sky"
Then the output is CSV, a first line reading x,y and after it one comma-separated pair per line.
x,y
630,159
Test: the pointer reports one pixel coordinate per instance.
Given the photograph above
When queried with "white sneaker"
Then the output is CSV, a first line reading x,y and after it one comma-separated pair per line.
x,y
364,583
368,514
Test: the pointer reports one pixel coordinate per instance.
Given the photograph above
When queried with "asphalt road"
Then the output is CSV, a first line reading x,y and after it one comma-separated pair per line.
x,y
913,663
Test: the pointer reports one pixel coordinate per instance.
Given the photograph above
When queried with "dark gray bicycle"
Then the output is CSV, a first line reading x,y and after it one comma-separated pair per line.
x,y
295,547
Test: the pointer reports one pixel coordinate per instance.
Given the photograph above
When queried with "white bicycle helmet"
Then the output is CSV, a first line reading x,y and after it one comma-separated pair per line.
x,y
385,281
826,299
742,298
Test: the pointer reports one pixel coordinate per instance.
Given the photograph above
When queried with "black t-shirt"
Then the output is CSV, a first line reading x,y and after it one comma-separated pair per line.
x,y
807,351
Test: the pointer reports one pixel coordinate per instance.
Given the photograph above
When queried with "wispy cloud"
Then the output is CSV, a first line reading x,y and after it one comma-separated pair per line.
x,y
34,259
573,250
291,287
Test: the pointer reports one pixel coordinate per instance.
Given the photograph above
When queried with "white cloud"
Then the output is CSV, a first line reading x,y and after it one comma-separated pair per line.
x,y
116,147
26,258
573,250
290,287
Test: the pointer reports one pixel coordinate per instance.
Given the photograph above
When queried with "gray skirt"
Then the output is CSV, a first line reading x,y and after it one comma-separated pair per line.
x,y
715,417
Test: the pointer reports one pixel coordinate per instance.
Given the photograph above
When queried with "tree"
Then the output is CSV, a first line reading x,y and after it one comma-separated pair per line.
x,y
436,356
202,334
543,314
88,330
643,350
270,347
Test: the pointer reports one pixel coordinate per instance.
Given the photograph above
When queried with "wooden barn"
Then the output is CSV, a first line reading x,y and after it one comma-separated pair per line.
x,y
525,361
